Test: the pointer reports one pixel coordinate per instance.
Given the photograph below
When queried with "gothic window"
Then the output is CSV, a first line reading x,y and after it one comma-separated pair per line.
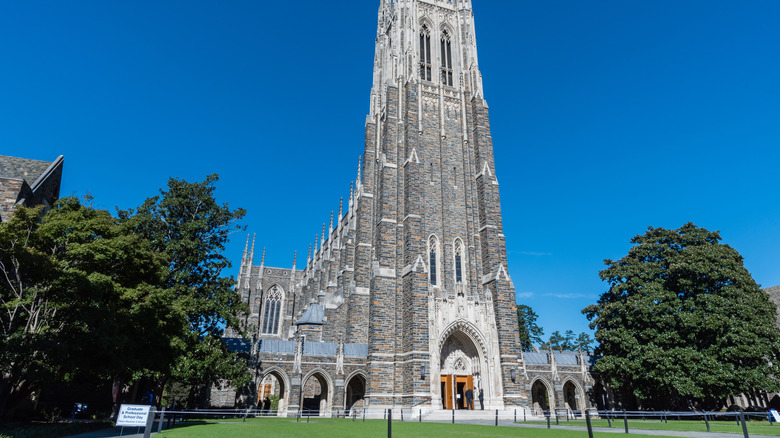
x,y
433,260
458,261
426,65
273,311
446,59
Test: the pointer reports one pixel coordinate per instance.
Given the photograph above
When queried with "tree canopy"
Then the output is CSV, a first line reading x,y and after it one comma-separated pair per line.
x,y
530,332
683,322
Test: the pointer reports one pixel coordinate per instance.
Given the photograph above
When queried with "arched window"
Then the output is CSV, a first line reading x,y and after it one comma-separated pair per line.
x,y
446,59
433,260
426,65
273,310
458,261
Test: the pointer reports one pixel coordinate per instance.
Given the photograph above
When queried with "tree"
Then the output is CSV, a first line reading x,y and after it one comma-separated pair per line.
x,y
584,342
557,341
82,299
188,226
530,332
683,322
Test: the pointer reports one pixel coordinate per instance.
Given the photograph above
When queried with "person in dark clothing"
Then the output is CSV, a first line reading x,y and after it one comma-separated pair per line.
x,y
481,399
469,399
266,405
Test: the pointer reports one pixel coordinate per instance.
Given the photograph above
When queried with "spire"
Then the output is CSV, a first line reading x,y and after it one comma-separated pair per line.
x,y
246,248
341,208
351,194
262,260
322,242
252,251
359,179
316,239
308,257
330,228
295,258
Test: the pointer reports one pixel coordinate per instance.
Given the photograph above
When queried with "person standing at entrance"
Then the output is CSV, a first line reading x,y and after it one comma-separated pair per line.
x,y
481,399
469,399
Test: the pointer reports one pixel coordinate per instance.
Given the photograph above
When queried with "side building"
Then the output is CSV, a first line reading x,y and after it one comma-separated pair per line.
x,y
29,183
405,299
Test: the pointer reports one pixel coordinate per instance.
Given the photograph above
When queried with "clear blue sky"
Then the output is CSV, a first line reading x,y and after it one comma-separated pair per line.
x,y
607,117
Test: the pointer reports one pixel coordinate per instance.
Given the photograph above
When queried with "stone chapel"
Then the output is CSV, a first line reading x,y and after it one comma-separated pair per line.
x,y
405,299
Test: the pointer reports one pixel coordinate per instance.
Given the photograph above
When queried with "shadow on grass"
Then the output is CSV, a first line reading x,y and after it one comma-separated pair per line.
x,y
49,430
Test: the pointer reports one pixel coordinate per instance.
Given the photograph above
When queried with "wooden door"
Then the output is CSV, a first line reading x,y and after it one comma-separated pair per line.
x,y
447,394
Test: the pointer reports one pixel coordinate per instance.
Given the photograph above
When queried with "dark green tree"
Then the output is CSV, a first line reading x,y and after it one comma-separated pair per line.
x,y
84,298
556,342
188,226
683,322
530,332
584,342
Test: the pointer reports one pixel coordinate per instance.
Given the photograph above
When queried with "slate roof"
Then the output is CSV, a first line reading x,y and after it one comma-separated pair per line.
x,y
22,168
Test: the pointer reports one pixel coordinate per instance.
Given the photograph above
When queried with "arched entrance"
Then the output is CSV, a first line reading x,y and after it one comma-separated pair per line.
x,y
572,396
274,386
460,372
356,392
540,397
316,395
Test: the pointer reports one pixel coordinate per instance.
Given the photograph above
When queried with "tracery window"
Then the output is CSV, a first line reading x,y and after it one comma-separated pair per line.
x,y
273,310
433,260
458,261
426,65
446,59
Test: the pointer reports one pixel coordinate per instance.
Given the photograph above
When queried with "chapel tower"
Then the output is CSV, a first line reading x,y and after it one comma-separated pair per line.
x,y
430,249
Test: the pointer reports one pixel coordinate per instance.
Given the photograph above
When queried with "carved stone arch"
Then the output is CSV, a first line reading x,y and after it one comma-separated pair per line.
x,y
579,393
284,391
326,394
355,390
469,330
447,28
542,402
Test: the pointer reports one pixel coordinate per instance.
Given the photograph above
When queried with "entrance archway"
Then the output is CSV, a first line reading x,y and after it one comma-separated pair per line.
x,y
355,392
572,396
274,383
316,395
460,372
540,396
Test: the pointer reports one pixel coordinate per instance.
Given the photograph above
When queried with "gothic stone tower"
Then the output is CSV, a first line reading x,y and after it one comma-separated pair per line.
x,y
405,300
431,250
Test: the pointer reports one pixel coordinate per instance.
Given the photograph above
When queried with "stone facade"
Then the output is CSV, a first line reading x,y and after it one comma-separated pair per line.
x,y
405,299
28,182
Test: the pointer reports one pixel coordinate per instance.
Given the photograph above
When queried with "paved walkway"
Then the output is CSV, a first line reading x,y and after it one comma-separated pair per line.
x,y
112,432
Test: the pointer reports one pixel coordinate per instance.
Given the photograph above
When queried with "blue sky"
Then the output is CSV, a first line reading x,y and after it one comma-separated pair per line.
x,y
607,117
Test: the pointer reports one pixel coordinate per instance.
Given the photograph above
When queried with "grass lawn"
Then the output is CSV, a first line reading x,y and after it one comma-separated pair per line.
x,y
329,428
754,427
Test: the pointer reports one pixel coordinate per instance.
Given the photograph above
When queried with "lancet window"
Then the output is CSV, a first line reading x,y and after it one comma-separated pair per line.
x,y
426,65
433,260
458,261
273,311
446,59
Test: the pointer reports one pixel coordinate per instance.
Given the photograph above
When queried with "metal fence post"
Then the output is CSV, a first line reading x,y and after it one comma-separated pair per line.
x,y
744,425
556,418
609,419
515,415
707,422
587,420
389,423
162,418
548,419
420,415
625,420
149,423
496,417
453,416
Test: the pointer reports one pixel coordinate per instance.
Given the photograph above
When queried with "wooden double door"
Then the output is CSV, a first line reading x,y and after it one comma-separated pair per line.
x,y
453,391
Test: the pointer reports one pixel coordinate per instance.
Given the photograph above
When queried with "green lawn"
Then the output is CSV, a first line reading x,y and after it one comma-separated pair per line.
x,y
329,428
754,427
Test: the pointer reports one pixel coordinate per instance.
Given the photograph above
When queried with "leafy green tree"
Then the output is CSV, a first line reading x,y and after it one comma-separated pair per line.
x,y
188,226
82,298
556,342
683,322
584,342
530,332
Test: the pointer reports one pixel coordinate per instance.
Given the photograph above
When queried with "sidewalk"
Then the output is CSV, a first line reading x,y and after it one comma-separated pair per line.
x,y
112,432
